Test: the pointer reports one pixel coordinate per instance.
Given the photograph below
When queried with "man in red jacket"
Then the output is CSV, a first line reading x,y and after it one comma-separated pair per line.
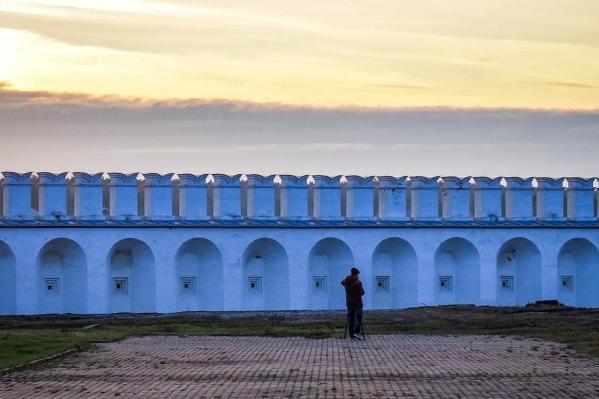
x,y
353,300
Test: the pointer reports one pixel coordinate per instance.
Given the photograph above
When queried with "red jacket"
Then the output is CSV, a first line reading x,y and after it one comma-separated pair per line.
x,y
353,291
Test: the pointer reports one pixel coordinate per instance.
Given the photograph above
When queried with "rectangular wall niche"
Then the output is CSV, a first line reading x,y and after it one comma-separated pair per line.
x,y
52,286
188,285
319,283
445,283
567,283
507,283
255,284
121,285
383,283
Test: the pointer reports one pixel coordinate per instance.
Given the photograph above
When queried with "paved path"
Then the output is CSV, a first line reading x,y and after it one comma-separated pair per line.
x,y
253,367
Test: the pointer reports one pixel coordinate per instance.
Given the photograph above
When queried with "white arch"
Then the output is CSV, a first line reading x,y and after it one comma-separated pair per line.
x,y
62,285
394,269
265,276
457,272
131,278
329,262
8,280
199,276
518,273
578,273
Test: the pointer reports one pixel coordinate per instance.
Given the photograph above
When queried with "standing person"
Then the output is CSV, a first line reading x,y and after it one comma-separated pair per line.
x,y
353,300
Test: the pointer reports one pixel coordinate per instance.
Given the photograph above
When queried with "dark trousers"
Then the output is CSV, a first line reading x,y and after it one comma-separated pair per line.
x,y
354,318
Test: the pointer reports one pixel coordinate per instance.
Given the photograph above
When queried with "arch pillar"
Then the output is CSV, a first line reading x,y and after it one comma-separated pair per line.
x,y
363,261
165,277
299,279
232,276
549,271
97,275
27,275
426,284
488,275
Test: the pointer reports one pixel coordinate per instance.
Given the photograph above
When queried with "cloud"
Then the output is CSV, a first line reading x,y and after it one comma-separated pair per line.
x,y
73,131
572,85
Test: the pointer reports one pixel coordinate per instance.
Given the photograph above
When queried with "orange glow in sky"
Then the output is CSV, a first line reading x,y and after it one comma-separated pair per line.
x,y
508,53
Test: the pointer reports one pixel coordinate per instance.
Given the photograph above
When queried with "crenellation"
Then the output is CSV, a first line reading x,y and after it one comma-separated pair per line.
x,y
226,196
455,197
326,197
87,195
198,197
359,197
193,196
392,197
518,197
52,200
549,198
424,197
260,196
123,189
293,197
16,195
487,198
158,196
580,198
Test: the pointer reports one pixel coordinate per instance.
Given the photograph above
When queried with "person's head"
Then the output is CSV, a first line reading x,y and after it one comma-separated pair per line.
x,y
354,271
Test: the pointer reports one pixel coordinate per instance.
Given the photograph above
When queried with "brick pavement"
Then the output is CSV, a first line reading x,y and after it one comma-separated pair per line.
x,y
256,367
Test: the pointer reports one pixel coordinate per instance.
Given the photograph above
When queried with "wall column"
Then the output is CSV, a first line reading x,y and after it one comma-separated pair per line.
x,y
88,196
549,255
488,275
193,197
166,276
293,197
426,283
16,190
549,198
98,284
424,198
392,198
234,285
27,277
52,203
580,199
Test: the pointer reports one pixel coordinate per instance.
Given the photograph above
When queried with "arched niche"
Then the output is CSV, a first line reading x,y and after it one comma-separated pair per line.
x,y
265,276
199,276
394,269
518,273
62,284
330,260
8,280
578,274
131,277
457,273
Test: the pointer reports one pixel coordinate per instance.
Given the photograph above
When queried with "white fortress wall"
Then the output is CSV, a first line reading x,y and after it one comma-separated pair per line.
x,y
251,242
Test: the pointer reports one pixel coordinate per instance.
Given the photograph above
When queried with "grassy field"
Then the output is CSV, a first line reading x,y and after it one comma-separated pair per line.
x,y
23,339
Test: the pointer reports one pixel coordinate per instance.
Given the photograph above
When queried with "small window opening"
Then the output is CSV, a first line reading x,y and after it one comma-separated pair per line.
x,y
507,283
567,283
445,283
188,284
383,283
319,283
52,286
255,284
121,285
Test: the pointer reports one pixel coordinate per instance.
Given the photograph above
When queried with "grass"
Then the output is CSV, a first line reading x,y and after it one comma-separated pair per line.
x,y
23,339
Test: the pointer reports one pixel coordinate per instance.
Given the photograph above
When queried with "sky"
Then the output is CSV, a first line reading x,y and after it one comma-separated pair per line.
x,y
338,87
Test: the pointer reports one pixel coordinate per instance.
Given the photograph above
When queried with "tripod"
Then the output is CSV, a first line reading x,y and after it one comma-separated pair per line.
x,y
347,327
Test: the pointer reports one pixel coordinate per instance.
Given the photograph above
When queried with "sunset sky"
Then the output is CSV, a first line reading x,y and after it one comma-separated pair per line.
x,y
263,85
